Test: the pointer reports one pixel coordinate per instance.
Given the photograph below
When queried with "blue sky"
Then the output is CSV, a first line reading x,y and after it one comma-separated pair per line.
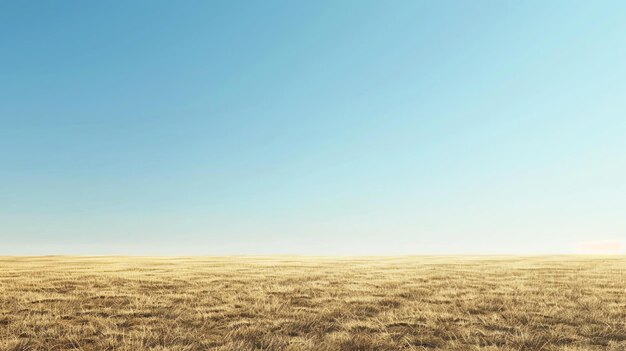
x,y
319,127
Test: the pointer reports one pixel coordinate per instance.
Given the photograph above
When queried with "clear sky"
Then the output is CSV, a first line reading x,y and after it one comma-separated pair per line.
x,y
312,127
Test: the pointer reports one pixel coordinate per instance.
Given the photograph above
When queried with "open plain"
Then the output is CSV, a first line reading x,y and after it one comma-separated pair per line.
x,y
313,303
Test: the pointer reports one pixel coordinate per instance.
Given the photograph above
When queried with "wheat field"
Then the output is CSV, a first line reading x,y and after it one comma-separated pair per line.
x,y
313,303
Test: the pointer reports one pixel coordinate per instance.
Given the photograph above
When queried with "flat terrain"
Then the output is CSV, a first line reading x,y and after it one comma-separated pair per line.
x,y
295,303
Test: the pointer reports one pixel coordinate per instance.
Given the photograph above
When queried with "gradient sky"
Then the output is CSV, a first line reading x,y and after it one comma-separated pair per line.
x,y
318,127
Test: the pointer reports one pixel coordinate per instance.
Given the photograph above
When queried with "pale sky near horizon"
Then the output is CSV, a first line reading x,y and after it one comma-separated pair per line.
x,y
312,127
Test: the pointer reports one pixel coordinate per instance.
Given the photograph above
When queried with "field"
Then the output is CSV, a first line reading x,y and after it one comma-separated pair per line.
x,y
306,303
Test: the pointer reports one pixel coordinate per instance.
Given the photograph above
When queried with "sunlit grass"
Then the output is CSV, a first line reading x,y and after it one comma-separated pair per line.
x,y
307,303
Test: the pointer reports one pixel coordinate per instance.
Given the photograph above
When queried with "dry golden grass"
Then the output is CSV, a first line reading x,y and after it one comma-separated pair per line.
x,y
295,303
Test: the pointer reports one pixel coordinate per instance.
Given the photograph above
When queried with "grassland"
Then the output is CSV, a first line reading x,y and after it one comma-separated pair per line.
x,y
295,303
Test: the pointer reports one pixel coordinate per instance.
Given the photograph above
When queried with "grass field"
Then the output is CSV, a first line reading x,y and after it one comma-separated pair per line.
x,y
296,303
